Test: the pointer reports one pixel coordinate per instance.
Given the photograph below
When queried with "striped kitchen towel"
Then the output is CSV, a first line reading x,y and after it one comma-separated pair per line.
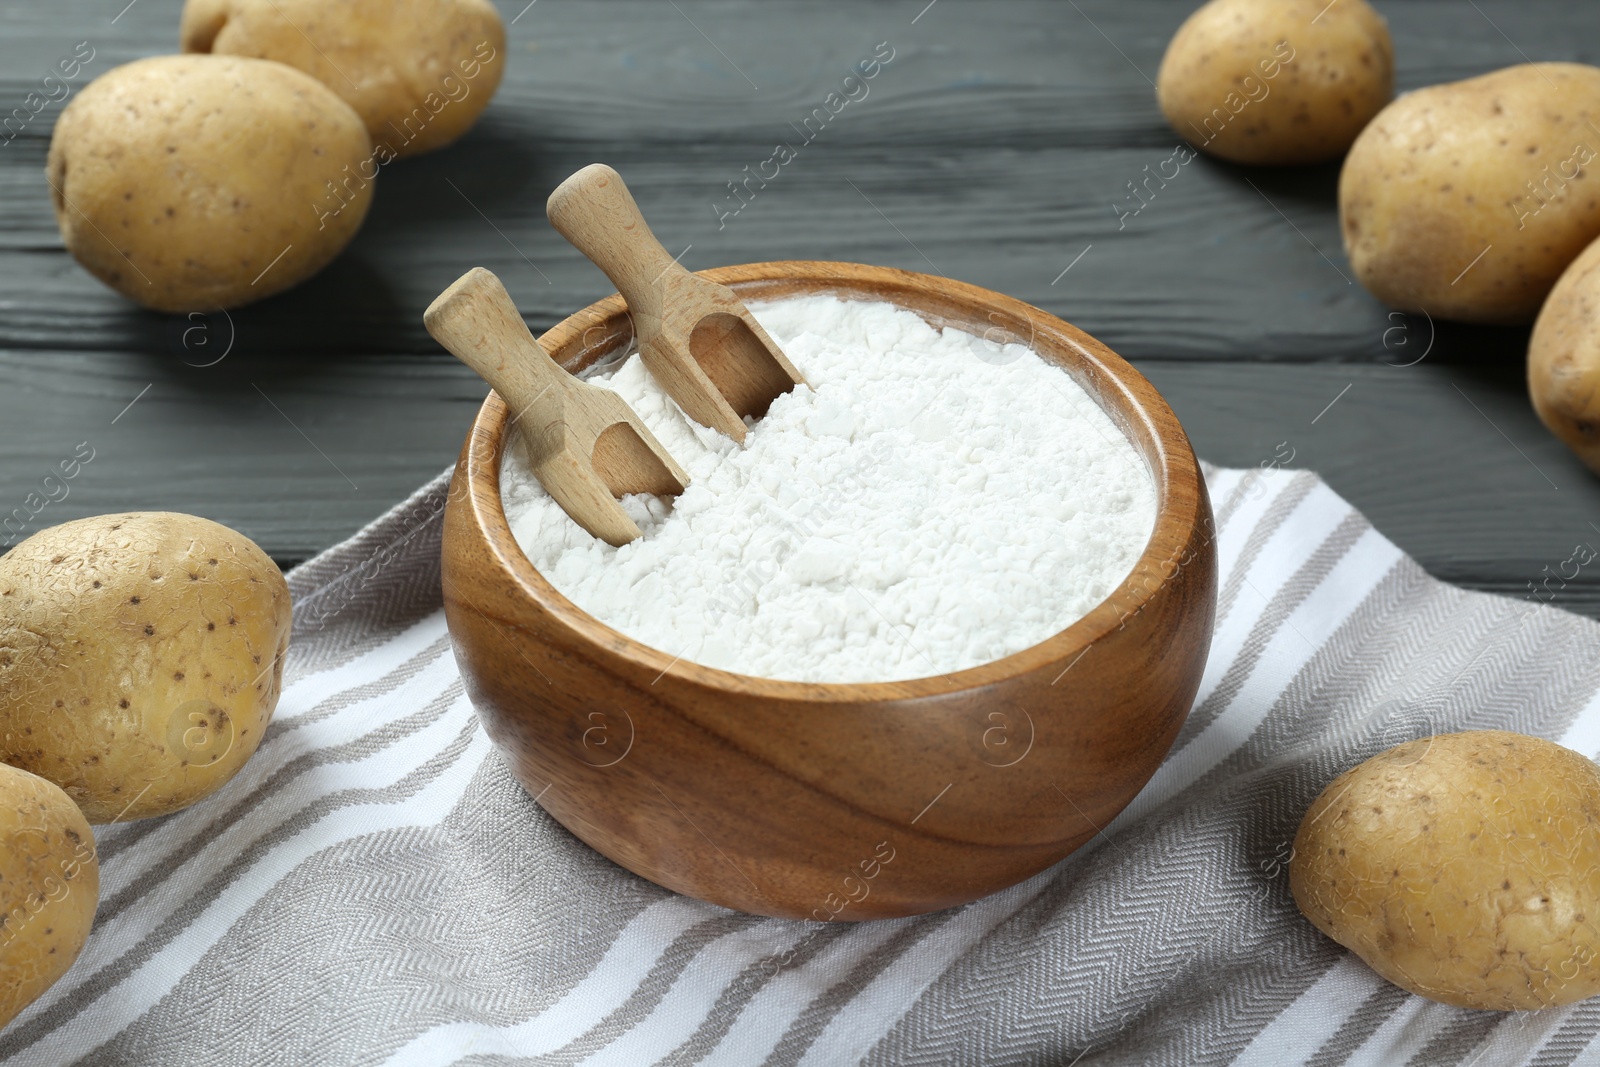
x,y
375,888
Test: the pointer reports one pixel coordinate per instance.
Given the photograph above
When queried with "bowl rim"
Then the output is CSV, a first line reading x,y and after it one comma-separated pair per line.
x,y
1127,397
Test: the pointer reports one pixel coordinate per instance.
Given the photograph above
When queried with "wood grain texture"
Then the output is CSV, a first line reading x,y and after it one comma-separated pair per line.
x,y
993,146
840,801
294,452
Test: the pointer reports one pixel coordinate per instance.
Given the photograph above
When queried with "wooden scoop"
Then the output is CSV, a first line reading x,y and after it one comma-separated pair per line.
x,y
586,445
698,339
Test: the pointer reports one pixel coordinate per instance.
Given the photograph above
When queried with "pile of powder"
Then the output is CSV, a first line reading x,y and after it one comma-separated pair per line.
x,y
933,501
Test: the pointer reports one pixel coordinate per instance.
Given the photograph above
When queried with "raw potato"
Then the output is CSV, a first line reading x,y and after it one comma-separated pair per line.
x,y
1564,358
140,658
419,72
49,887
1276,81
192,183
1464,867
1467,201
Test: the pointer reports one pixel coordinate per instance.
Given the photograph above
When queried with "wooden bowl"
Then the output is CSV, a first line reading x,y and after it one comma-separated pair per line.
x,y
838,801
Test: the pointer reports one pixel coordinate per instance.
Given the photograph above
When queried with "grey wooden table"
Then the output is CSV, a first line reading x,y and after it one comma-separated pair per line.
x,y
994,147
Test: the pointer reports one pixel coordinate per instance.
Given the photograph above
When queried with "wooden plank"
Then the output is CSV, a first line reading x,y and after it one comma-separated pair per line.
x,y
295,452
996,146
1449,462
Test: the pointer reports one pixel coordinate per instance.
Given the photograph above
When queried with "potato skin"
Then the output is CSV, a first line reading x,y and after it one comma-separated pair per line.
x,y
180,181
1276,81
419,72
1496,163
49,887
1463,867
141,657
1564,358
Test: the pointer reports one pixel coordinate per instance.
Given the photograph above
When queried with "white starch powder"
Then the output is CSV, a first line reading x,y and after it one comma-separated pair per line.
x,y
933,501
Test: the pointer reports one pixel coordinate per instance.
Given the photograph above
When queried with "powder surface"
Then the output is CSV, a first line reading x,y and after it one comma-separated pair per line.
x,y
933,501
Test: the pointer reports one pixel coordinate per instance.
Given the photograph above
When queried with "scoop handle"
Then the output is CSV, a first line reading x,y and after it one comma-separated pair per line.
x,y
594,210
478,322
